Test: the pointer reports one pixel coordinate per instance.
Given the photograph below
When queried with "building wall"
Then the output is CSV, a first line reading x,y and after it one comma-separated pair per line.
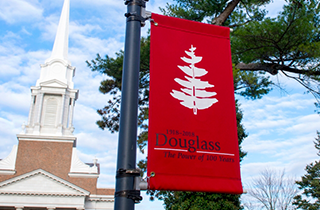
x,y
53,157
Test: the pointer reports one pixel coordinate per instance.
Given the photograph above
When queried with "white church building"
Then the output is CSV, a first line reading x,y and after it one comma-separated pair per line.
x,y
43,171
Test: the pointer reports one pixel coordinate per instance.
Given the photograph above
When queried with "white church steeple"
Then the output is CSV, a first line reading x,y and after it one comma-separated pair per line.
x,y
53,97
60,47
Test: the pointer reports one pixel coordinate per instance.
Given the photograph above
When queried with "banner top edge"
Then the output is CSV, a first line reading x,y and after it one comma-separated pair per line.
x,y
189,25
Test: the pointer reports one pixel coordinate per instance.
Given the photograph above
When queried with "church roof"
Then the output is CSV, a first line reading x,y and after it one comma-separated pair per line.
x,y
40,182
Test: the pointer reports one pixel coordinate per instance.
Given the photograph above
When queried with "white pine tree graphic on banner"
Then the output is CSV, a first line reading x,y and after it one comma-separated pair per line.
x,y
194,95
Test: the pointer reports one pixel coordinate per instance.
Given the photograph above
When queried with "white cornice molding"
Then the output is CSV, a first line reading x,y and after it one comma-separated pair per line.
x,y
41,193
64,62
54,83
101,198
7,172
83,175
56,90
58,138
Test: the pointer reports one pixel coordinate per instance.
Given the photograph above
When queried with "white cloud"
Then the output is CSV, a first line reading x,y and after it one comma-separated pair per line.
x,y
14,96
97,141
25,31
281,133
274,7
8,130
250,171
85,114
18,64
11,65
76,28
13,11
305,124
100,3
93,45
276,112
10,54
147,205
106,180
48,27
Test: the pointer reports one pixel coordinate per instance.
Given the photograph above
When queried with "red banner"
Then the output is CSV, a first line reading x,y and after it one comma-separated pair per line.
x,y
193,144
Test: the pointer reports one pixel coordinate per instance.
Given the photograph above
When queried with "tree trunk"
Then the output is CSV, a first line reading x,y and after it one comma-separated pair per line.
x,y
226,12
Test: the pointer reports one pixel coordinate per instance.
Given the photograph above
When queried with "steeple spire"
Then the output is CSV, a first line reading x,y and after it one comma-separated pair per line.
x,y
60,47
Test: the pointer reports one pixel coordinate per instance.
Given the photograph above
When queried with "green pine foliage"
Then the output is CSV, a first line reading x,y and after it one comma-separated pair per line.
x,y
310,184
200,200
288,44
211,11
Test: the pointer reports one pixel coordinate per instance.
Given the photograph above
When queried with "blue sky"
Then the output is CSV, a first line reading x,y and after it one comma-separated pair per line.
x,y
281,125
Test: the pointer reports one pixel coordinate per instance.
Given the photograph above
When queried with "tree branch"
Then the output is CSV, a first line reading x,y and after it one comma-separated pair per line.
x,y
315,93
274,68
226,13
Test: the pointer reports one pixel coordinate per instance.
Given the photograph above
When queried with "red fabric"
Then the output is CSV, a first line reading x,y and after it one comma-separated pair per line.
x,y
193,144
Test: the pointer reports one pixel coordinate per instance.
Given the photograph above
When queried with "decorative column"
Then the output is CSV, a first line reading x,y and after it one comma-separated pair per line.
x,y
66,111
60,116
71,113
31,110
63,103
39,105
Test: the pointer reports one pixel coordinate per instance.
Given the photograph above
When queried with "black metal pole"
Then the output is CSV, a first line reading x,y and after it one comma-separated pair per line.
x,y
125,194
